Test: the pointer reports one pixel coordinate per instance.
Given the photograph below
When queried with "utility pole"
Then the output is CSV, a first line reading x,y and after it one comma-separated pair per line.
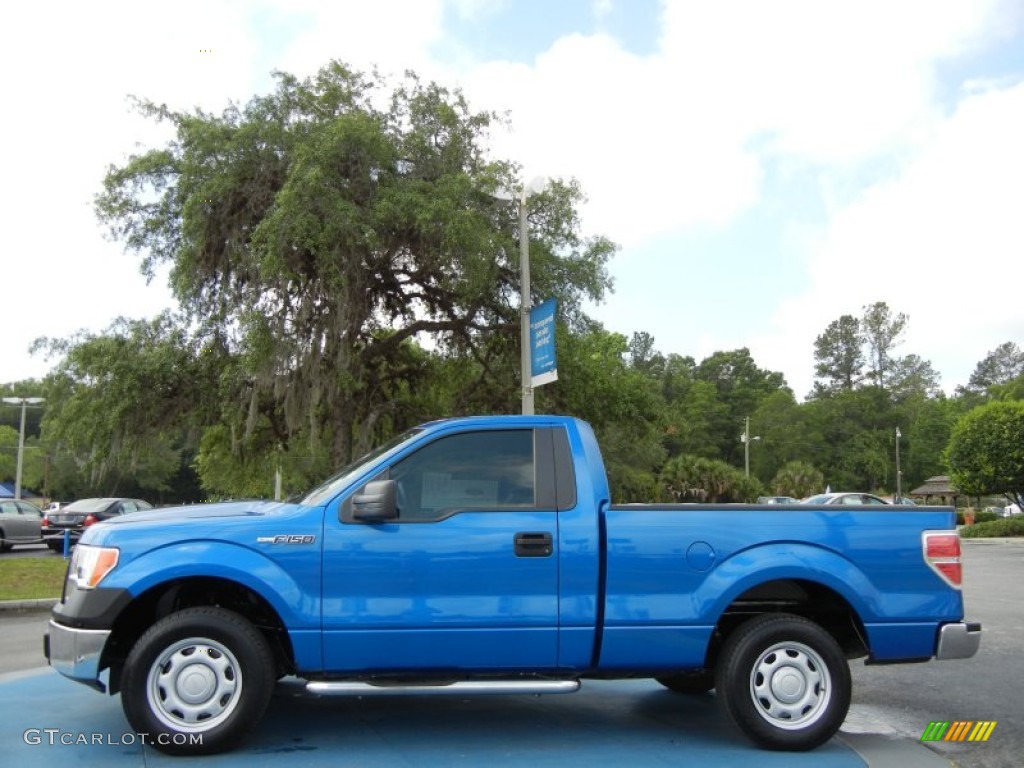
x,y
24,402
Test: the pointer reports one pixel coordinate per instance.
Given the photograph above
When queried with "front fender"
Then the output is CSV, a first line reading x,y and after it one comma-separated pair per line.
x,y
294,595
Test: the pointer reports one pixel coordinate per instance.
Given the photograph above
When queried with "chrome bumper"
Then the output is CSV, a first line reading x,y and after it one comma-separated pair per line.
x,y
75,653
958,641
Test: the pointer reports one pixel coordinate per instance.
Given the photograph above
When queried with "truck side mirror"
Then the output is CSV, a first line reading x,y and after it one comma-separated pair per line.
x,y
376,503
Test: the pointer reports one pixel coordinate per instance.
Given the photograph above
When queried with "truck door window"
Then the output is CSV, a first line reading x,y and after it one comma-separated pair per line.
x,y
471,471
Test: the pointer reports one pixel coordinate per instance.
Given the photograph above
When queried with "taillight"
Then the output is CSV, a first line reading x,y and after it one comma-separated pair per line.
x,y
89,520
942,553
45,523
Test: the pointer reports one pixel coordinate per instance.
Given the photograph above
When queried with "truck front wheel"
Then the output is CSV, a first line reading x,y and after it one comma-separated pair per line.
x,y
784,681
197,681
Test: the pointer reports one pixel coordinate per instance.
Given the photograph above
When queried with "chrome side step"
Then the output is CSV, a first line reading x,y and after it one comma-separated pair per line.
x,y
466,687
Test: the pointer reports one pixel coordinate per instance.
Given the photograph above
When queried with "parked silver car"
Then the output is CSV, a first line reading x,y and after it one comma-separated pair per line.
x,y
855,499
20,523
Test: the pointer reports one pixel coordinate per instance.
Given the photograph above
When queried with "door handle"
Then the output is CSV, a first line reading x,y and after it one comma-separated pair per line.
x,y
533,545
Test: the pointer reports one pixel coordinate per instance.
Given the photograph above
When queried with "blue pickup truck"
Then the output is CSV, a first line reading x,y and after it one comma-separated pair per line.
x,y
484,555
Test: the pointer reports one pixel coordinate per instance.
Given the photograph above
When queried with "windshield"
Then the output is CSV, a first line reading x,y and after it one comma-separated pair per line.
x,y
330,487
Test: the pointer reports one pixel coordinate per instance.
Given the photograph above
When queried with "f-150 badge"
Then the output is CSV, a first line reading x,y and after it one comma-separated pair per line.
x,y
287,538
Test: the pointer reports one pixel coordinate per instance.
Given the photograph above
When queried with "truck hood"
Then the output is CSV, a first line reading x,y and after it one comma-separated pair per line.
x,y
235,521
167,515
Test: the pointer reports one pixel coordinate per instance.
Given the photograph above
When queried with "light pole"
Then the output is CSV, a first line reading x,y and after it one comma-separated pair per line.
x,y
899,474
746,439
24,402
525,363
539,184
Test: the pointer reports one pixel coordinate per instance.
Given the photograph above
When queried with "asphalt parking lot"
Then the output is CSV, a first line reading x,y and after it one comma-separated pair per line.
x,y
47,719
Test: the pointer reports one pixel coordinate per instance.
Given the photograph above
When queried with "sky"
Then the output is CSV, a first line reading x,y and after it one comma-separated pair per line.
x,y
765,167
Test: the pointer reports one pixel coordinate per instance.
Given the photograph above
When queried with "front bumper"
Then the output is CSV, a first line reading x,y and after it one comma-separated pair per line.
x,y
75,653
959,640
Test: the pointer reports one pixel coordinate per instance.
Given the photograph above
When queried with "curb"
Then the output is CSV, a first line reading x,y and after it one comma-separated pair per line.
x,y
27,606
888,751
994,540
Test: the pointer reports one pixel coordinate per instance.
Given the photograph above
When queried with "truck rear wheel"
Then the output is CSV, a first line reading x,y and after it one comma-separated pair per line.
x,y
197,681
784,681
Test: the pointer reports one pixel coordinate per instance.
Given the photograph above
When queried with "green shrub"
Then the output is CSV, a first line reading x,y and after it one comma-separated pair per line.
x,y
632,486
1013,526
689,478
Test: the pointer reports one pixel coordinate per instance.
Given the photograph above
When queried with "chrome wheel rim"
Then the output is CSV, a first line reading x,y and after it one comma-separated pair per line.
x,y
194,685
790,686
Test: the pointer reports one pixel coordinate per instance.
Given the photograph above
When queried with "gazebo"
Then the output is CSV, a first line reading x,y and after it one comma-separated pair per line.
x,y
937,486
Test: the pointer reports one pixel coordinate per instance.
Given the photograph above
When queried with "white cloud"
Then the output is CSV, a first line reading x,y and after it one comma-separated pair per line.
x,y
829,81
76,64
393,35
668,143
646,160
674,140
941,243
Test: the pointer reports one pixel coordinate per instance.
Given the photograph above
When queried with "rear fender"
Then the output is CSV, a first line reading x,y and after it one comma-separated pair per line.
x,y
910,593
752,567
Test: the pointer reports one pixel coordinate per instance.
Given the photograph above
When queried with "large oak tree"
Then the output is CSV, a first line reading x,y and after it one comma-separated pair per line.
x,y
317,230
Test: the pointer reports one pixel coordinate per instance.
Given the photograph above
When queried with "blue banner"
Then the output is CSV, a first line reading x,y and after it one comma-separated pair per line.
x,y
544,367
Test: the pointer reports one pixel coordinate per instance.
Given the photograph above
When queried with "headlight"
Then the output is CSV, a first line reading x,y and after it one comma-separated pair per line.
x,y
90,564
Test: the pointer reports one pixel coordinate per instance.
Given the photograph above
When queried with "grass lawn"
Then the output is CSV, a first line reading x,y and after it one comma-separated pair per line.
x,y
28,578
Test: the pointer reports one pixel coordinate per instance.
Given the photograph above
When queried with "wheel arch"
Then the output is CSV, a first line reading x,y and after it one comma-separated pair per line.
x,y
815,582
189,592
802,597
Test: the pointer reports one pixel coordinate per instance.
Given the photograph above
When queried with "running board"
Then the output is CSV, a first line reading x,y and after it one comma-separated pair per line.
x,y
466,687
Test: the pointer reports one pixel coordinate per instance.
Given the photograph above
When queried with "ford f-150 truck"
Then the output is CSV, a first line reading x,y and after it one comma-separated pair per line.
x,y
484,555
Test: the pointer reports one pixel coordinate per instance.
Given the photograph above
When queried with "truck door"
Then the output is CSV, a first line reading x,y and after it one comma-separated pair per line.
x,y
466,578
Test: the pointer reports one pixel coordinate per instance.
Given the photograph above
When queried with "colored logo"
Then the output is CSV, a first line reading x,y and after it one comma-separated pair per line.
x,y
958,730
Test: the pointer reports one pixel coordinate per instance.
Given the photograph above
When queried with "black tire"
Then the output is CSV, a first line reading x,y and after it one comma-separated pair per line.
x,y
784,682
695,681
4,546
57,547
222,657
